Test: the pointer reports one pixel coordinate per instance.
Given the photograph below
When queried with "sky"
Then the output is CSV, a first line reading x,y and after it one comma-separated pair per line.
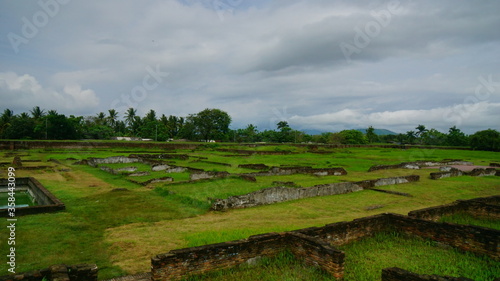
x,y
322,65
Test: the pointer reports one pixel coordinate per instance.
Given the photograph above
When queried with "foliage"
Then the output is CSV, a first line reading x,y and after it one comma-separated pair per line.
x,y
210,124
486,140
365,259
352,137
213,124
370,135
456,137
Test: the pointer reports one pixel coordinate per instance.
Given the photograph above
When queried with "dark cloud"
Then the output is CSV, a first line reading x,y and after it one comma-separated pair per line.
x,y
319,64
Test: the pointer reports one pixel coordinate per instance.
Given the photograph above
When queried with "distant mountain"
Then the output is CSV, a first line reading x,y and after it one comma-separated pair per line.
x,y
379,132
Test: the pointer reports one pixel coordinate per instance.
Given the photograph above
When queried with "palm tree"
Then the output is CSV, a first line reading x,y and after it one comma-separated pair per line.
x,y
5,120
130,115
52,112
151,116
101,118
37,113
7,115
113,116
24,115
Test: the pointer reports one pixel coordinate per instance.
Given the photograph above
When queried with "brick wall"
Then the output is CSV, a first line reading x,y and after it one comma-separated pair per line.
x,y
485,206
470,238
176,264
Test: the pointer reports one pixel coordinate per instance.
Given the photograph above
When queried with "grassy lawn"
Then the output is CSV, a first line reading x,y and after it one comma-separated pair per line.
x,y
122,230
464,218
365,260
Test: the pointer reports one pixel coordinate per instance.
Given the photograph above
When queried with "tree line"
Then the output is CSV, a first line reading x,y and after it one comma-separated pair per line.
x,y
212,124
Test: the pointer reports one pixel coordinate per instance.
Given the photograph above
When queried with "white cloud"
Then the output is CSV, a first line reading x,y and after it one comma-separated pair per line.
x,y
263,56
442,118
22,92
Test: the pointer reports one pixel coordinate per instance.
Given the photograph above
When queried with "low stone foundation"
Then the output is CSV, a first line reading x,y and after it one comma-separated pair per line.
x,y
485,207
284,171
46,201
282,193
207,175
419,164
81,272
177,264
316,246
254,166
453,172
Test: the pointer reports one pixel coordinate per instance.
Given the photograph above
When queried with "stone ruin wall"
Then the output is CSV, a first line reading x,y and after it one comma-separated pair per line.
x,y
485,207
47,202
419,164
281,193
316,246
452,172
283,171
178,264
81,272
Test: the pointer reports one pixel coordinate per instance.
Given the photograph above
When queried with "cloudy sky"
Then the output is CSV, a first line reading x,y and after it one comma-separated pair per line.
x,y
318,64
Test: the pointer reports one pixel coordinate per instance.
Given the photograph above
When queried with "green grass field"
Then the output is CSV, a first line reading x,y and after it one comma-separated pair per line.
x,y
121,230
365,260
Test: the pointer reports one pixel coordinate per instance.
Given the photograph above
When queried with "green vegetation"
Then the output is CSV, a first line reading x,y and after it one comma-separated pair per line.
x,y
213,125
464,218
122,230
283,267
366,258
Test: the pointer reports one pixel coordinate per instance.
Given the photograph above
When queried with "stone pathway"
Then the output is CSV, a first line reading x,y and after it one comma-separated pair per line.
x,y
138,277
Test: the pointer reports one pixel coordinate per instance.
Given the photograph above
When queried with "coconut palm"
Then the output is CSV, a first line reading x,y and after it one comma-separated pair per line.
x,y
37,113
130,115
112,117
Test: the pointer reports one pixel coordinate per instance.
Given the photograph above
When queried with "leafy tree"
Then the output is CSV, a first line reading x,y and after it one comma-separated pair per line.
x,y
411,136
172,124
59,127
21,127
456,137
250,133
433,137
211,124
285,132
135,125
485,140
149,127
401,138
5,121
352,137
370,135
